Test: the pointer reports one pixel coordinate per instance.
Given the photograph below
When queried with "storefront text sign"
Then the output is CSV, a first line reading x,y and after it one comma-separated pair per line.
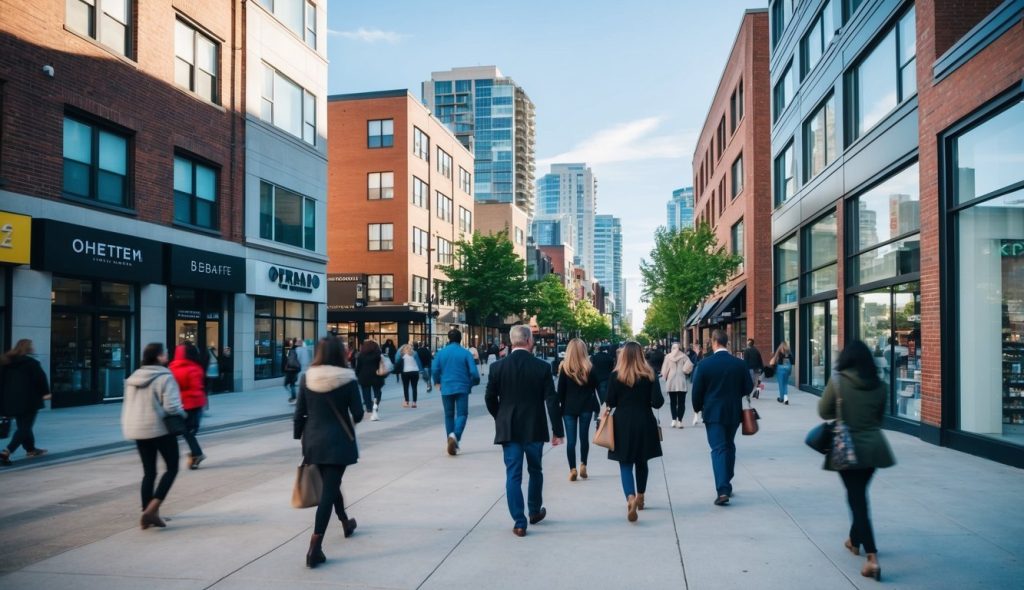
x,y
286,282
15,238
189,267
86,252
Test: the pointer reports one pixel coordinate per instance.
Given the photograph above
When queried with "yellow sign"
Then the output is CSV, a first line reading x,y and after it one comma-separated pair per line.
x,y
15,238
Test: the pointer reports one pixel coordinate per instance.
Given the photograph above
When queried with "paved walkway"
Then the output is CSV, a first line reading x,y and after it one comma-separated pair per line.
x,y
943,519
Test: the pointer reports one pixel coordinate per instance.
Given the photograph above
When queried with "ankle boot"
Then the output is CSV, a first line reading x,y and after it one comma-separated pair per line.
x,y
572,474
315,556
871,568
151,515
639,501
349,526
631,508
583,470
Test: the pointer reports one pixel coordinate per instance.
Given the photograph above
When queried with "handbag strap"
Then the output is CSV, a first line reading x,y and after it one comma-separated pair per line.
x,y
839,398
337,414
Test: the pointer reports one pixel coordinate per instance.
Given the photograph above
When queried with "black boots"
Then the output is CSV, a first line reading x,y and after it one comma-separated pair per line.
x,y
315,556
151,515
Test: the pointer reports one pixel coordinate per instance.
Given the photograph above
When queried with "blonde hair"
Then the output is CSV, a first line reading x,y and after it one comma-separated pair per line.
x,y
576,365
406,349
782,349
631,365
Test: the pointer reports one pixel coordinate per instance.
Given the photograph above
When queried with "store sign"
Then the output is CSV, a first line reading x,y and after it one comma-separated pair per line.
x,y
290,279
87,252
200,269
346,291
1012,248
285,282
15,238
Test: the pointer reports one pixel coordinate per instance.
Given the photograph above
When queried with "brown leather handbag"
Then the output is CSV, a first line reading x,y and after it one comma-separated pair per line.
x,y
750,418
308,486
605,435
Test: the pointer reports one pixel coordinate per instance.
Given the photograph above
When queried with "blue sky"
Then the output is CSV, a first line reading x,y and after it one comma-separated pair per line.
x,y
623,86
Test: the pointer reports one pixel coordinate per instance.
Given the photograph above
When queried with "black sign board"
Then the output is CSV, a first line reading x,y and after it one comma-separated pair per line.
x,y
91,253
346,291
199,269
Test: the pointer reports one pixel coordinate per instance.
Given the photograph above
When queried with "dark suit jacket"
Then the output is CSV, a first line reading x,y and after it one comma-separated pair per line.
x,y
604,364
517,389
719,383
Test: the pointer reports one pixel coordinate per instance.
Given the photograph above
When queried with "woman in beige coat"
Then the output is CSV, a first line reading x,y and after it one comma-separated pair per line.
x,y
676,371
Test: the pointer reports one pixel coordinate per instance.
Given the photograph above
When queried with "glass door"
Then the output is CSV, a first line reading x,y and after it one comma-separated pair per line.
x,y
821,342
115,355
71,359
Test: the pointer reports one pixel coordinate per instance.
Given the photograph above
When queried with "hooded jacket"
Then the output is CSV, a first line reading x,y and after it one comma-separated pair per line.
x,y
22,386
675,369
328,434
150,393
191,379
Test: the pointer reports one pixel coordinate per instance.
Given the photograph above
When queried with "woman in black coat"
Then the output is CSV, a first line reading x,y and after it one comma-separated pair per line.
x,y
633,391
577,398
326,413
23,387
367,363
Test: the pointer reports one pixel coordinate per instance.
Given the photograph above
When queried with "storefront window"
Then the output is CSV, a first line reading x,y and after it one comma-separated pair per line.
x,y
883,229
277,322
787,272
822,252
888,320
822,342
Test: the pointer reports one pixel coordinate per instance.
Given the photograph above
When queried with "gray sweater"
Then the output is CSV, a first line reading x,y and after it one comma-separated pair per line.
x,y
150,393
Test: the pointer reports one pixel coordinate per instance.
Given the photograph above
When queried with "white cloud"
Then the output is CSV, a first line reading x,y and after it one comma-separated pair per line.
x,y
630,141
370,35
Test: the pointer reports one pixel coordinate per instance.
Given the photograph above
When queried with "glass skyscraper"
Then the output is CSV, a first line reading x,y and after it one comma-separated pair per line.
x,y
570,190
494,119
608,258
680,209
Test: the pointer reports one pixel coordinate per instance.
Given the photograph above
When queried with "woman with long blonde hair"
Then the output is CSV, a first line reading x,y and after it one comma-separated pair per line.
x,y
577,398
633,392
782,360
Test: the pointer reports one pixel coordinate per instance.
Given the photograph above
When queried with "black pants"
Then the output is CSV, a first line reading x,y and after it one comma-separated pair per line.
x,y
167,447
191,429
856,482
410,379
677,404
23,435
371,394
330,497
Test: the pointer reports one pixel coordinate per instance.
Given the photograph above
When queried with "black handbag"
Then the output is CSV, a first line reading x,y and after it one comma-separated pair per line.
x,y
174,423
820,437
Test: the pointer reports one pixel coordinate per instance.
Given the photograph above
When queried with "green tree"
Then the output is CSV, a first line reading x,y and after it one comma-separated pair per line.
x,y
591,324
685,268
660,319
488,278
552,303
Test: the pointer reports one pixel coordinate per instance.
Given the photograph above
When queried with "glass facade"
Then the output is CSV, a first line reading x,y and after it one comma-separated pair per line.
x,y
886,77
821,246
888,320
277,322
883,229
787,272
680,209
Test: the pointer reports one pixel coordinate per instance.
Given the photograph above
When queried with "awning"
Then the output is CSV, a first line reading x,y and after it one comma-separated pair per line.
x,y
706,310
726,310
376,314
693,317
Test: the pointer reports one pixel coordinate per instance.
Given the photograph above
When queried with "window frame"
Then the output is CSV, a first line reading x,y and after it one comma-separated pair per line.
x,y
465,220
420,144
386,140
742,244
96,127
818,29
420,192
193,197
194,68
466,181
853,77
420,242
96,24
445,207
808,144
307,113
381,187
780,181
807,271
736,187
444,163
380,289
778,280
779,92
445,252
306,232
383,244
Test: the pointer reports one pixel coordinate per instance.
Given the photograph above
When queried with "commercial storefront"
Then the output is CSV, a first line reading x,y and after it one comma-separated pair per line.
x,y
15,250
286,307
352,316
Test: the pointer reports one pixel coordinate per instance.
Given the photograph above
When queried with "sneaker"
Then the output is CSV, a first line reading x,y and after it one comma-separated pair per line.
x,y
453,445
374,416
195,461
291,400
35,453
786,400
413,404
675,423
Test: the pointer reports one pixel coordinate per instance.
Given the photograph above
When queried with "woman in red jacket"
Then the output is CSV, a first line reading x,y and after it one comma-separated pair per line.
x,y
191,378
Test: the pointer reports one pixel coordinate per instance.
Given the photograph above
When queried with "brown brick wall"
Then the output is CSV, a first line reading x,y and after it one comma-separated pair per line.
x,y
137,93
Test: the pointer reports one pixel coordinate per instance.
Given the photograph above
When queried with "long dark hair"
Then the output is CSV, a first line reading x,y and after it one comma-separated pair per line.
x,y
369,347
22,348
151,354
330,351
857,357
191,353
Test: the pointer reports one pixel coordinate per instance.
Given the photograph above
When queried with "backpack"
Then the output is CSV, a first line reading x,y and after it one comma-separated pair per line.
x,y
292,364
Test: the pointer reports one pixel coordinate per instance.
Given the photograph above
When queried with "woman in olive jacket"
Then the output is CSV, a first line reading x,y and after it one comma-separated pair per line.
x,y
327,410
863,397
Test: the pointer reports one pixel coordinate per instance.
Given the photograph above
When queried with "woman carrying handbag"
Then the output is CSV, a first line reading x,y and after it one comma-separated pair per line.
x,y
326,412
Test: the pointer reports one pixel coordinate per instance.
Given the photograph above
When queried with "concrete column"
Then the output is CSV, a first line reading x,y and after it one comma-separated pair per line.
x,y
245,306
152,318
30,311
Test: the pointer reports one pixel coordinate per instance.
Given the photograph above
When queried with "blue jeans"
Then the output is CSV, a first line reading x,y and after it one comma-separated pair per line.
x,y
722,440
577,425
782,377
514,453
425,376
456,413
629,488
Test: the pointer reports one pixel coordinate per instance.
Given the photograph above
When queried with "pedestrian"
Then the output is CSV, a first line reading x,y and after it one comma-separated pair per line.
x,y
633,391
23,387
370,383
577,403
389,350
455,375
656,358
677,370
755,364
188,373
696,353
212,369
863,398
327,411
720,382
603,364
227,370
303,354
783,362
151,394
292,366
425,356
407,365
518,388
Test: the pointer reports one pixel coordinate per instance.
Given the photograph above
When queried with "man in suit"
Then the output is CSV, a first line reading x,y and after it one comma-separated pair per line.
x,y
517,389
719,383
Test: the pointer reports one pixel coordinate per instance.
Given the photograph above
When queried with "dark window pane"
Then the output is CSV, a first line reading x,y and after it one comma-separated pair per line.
x,y
76,178
288,218
266,211
111,188
204,213
182,207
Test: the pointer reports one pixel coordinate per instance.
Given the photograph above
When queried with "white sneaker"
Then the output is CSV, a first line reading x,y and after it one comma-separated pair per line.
x,y
374,416
674,423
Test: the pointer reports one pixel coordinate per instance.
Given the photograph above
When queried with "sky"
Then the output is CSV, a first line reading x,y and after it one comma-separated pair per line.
x,y
622,86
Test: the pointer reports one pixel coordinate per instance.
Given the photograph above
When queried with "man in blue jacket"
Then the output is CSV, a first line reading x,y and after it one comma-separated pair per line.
x,y
719,383
455,374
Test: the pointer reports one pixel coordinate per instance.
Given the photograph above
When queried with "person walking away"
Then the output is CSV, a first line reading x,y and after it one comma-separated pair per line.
x,y
408,366
227,370
292,366
862,396
455,374
23,387
518,388
783,362
755,364
633,392
389,350
676,371
151,393
303,354
603,364
719,384
577,403
370,383
188,373
212,369
423,352
326,413
656,358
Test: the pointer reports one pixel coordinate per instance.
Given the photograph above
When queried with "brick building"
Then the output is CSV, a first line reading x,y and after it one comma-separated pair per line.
x,y
896,143
732,188
401,186
123,138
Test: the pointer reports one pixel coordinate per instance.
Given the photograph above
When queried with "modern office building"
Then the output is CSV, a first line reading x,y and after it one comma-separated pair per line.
x,y
608,258
145,214
732,187
570,191
494,118
680,209
896,222
402,197
553,229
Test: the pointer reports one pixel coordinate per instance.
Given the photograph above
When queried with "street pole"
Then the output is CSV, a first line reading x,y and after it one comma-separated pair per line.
x,y
430,255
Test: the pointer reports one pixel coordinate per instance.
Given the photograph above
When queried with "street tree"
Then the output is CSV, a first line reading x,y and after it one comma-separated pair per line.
x,y
552,303
487,278
591,324
660,319
685,268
